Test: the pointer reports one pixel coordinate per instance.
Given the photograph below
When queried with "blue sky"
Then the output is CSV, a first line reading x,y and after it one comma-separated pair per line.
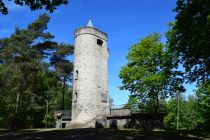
x,y
125,22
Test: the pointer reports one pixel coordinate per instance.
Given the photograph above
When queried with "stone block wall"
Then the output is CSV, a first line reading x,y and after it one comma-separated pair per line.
x,y
90,99
120,112
122,118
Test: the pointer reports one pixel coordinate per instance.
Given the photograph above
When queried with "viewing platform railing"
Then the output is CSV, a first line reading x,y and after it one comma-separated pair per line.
x,y
65,114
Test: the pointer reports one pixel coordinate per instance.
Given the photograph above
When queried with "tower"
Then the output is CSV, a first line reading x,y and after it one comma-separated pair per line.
x,y
90,98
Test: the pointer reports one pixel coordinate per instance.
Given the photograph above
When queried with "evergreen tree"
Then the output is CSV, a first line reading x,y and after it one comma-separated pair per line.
x,y
29,86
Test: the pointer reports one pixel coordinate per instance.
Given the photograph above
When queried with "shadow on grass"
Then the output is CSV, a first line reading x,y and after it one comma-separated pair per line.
x,y
99,134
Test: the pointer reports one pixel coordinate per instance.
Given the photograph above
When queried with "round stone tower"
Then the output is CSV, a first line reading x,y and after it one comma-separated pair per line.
x,y
90,98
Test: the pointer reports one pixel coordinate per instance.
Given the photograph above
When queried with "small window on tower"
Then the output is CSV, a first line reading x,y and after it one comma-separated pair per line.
x,y
99,42
104,98
76,75
75,97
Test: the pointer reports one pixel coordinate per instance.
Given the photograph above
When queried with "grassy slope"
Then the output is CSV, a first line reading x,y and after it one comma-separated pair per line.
x,y
99,134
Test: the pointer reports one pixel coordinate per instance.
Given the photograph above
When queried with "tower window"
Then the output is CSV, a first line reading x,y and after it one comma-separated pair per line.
x,y
76,75
75,97
104,98
99,42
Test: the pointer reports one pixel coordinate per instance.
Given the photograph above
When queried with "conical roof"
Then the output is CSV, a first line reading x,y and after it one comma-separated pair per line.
x,y
90,24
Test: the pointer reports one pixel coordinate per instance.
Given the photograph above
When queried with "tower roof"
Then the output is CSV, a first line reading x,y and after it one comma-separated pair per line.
x,y
90,29
90,24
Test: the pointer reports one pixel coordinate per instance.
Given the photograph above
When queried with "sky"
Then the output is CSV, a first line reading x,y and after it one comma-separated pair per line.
x,y
125,22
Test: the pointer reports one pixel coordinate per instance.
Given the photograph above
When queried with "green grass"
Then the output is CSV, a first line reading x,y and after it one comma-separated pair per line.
x,y
100,134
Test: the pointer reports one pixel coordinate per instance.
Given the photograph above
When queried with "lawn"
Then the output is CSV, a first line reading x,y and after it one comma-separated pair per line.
x,y
100,134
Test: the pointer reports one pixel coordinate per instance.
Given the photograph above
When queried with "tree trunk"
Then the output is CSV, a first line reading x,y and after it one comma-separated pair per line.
x,y
64,87
33,101
47,112
14,125
56,95
56,102
155,99
157,103
33,111
17,104
155,106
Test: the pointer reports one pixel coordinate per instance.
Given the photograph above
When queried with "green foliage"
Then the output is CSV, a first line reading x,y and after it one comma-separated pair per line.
x,y
203,103
148,73
154,71
189,117
188,42
189,38
49,5
63,68
30,86
137,105
133,104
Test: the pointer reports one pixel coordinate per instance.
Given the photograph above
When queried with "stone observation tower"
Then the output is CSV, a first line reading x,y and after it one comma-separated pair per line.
x,y
90,98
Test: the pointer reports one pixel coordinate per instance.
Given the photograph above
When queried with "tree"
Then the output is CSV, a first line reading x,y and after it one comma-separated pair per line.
x,y
189,38
140,106
29,84
189,117
148,73
133,104
63,68
203,104
49,5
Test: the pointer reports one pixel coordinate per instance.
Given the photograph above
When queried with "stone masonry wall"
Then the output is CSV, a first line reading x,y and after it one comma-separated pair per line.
x,y
90,78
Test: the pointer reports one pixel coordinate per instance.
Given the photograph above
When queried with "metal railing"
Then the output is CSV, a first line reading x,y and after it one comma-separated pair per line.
x,y
65,114
135,108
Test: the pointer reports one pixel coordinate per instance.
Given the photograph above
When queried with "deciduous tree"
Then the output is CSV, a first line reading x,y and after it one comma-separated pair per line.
x,y
148,73
189,38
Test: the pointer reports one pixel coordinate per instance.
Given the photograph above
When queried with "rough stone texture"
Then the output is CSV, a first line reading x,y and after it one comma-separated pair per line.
x,y
119,117
59,123
67,124
118,123
90,85
121,112
138,121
